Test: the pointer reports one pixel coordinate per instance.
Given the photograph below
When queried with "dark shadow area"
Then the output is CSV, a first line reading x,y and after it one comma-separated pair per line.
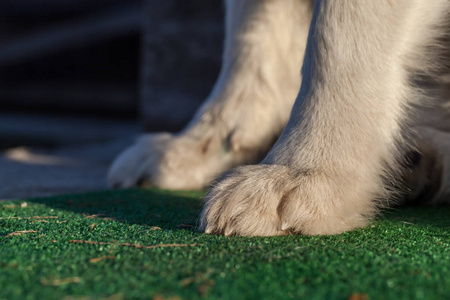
x,y
175,210
437,217
158,208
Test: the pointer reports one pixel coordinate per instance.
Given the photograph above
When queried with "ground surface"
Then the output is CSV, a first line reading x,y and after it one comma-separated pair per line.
x,y
49,155
142,244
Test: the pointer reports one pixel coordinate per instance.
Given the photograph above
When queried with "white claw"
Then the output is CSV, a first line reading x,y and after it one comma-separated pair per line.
x,y
228,231
285,226
208,230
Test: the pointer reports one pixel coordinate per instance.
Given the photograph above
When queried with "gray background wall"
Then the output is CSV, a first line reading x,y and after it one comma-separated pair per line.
x,y
182,48
153,60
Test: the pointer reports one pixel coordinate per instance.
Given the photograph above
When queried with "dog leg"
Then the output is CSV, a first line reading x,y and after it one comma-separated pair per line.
x,y
324,174
247,109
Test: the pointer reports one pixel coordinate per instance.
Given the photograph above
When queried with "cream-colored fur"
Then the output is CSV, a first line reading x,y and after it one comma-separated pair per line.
x,y
329,170
247,109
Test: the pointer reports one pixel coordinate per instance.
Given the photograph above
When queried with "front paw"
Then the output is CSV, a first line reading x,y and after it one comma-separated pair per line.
x,y
245,202
267,200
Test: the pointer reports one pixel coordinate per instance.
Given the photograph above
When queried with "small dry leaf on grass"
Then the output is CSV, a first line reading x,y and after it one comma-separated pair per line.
x,y
99,216
359,297
97,259
204,284
161,297
112,249
187,281
408,223
204,289
155,228
20,232
23,204
61,281
10,206
132,245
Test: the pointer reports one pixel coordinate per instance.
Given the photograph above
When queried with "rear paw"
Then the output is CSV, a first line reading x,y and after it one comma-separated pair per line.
x,y
138,162
176,162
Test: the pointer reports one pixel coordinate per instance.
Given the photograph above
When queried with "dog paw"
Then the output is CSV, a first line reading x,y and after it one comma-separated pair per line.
x,y
167,161
138,163
267,200
177,162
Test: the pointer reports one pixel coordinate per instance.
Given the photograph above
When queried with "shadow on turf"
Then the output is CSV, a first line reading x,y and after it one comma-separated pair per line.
x,y
164,209
180,210
437,217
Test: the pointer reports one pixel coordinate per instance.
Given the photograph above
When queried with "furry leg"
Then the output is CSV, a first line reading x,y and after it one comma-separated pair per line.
x,y
324,174
247,109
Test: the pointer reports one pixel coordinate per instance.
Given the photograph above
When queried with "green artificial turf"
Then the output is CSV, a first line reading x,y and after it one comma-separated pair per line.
x,y
403,255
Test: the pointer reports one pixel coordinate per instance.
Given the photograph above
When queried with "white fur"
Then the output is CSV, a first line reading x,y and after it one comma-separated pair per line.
x,y
248,106
327,172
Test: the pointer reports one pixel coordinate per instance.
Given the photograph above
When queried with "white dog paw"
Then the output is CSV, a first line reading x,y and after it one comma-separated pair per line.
x,y
188,161
166,161
138,162
267,200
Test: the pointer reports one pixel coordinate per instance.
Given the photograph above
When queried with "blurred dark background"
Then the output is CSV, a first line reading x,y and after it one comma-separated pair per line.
x,y
153,60
80,78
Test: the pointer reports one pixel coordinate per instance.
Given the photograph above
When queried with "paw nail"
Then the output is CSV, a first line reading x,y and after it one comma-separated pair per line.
x,y
228,232
284,226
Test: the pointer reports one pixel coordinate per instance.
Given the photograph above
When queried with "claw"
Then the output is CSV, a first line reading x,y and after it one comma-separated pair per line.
x,y
209,230
285,226
228,231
